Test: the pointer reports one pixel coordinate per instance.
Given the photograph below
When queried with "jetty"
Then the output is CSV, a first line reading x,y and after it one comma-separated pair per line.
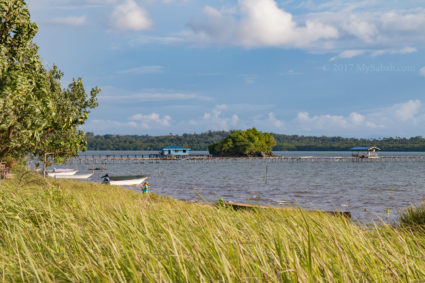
x,y
157,158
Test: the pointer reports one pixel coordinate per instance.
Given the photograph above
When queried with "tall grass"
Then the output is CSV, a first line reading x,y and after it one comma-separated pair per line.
x,y
413,216
74,231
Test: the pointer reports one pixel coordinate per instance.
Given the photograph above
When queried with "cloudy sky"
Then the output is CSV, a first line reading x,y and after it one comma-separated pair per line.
x,y
348,68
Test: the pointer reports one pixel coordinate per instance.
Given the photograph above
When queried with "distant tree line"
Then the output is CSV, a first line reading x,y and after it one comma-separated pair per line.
x,y
284,142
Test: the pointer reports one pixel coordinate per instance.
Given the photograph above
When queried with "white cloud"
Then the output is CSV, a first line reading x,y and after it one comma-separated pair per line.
x,y
142,70
346,54
322,122
398,119
69,21
357,118
276,123
130,16
214,120
334,27
262,23
268,122
150,120
422,71
335,124
401,119
408,111
405,50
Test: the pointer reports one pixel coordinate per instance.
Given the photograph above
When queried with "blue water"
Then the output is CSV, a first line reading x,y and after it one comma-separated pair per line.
x,y
370,190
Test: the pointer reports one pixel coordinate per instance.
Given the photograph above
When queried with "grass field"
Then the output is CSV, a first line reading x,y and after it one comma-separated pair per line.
x,y
74,231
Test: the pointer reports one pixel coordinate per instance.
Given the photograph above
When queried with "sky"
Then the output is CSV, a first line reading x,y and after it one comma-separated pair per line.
x,y
334,68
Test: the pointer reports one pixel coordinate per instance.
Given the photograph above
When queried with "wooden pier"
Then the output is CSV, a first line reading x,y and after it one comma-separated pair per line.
x,y
156,158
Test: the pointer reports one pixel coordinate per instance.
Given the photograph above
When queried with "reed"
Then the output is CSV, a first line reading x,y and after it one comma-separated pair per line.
x,y
74,231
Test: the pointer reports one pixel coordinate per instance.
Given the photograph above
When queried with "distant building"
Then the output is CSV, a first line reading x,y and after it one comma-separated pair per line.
x,y
174,150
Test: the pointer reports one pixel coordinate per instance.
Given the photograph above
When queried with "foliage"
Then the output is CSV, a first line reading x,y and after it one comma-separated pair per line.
x,y
413,216
62,136
76,231
36,115
145,142
244,143
24,99
284,142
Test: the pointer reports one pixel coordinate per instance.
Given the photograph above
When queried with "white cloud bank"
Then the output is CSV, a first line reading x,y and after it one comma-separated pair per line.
x,y
130,16
136,124
215,120
150,120
347,54
262,23
401,119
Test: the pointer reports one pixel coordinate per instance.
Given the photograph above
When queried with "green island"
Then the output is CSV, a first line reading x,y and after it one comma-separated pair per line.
x,y
244,143
58,230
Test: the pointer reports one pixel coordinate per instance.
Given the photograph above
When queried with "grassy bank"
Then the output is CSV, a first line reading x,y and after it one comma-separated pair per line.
x,y
63,230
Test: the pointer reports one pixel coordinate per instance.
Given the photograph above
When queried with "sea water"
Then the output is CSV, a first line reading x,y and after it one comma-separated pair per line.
x,y
369,190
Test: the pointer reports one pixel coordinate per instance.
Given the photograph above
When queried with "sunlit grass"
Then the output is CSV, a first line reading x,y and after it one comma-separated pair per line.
x,y
413,217
74,231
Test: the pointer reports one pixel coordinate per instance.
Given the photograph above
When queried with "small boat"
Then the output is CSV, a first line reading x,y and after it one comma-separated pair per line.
x,y
127,180
75,177
70,172
63,170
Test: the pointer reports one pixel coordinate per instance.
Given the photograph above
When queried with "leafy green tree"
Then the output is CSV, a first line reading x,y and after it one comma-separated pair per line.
x,y
24,97
36,115
62,136
244,143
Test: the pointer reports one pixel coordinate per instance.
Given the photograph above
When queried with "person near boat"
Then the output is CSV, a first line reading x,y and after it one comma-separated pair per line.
x,y
145,187
106,179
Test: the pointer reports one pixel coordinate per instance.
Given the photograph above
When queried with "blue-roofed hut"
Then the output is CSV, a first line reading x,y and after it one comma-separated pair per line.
x,y
174,150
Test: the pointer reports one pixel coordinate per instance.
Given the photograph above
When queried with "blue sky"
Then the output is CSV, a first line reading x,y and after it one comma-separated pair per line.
x,y
347,68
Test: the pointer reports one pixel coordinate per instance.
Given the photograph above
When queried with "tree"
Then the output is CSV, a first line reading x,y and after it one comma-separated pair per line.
x,y
62,136
244,143
36,115
24,99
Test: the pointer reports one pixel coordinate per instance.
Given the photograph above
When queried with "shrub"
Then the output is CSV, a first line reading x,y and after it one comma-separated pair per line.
x,y
413,216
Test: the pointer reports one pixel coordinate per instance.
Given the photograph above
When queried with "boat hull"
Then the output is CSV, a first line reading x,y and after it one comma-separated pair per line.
x,y
63,170
75,177
67,173
127,182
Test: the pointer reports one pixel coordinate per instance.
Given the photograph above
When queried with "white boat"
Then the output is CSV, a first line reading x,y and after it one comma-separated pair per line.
x,y
75,177
62,170
127,182
65,173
